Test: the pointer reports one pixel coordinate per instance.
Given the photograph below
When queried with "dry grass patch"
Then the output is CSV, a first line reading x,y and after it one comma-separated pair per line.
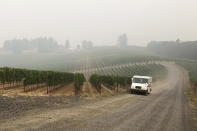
x,y
191,93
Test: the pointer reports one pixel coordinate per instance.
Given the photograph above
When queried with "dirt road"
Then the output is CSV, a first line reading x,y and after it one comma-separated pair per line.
x,y
166,109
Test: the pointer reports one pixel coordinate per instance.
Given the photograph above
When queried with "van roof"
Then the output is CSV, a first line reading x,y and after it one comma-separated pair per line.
x,y
146,77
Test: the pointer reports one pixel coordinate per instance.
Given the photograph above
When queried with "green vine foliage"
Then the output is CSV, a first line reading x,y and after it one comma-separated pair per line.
x,y
107,80
79,79
32,77
95,80
10,75
2,76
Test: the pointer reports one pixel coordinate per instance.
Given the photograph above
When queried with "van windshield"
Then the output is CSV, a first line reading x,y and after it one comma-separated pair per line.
x,y
140,80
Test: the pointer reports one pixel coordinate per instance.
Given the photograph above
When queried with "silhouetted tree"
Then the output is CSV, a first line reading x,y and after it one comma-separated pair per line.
x,y
78,46
86,44
122,40
67,44
178,41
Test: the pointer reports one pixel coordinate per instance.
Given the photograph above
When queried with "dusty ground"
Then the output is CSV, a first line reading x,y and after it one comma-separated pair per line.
x,y
66,90
165,109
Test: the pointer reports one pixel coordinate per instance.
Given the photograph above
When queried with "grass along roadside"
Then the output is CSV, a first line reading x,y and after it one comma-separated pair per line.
x,y
190,92
190,87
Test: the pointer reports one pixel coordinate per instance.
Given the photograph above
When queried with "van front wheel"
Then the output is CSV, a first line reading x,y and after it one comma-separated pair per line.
x,y
146,93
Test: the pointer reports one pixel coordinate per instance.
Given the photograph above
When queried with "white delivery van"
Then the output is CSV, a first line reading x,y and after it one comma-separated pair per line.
x,y
141,84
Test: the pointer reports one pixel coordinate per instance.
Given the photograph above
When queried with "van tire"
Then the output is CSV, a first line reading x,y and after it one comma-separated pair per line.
x,y
131,91
146,93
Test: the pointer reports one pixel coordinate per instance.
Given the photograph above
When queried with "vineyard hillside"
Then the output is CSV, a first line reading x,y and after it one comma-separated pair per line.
x,y
115,79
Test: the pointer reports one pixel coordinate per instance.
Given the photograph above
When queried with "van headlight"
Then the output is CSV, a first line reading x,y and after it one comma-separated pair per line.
x,y
144,88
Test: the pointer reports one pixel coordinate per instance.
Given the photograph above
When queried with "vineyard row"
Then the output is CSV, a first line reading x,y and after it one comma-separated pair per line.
x,y
33,79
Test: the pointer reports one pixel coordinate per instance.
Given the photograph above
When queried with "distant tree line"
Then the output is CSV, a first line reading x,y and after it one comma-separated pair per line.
x,y
42,45
187,49
86,44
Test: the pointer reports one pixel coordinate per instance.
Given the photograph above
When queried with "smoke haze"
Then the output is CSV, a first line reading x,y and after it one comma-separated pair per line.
x,y
100,21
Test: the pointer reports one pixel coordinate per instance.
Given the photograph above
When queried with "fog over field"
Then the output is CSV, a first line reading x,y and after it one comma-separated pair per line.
x,y
39,33
100,21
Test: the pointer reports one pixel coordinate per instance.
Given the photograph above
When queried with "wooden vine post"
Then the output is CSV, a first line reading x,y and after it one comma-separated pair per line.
x,y
47,84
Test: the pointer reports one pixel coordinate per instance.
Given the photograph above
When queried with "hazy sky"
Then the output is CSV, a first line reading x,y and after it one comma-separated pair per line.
x,y
101,21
